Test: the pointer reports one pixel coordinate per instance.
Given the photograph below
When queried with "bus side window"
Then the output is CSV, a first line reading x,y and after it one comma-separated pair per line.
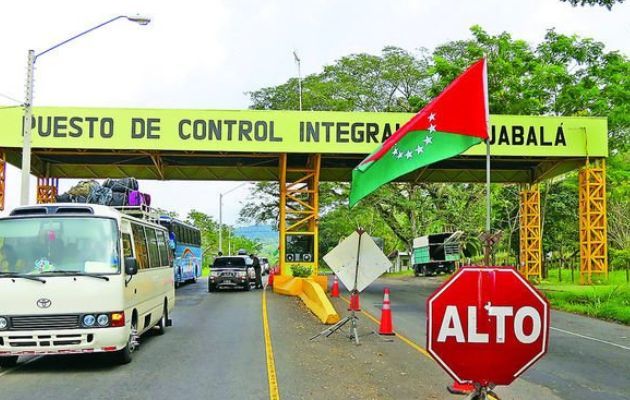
x,y
162,247
154,257
140,244
126,242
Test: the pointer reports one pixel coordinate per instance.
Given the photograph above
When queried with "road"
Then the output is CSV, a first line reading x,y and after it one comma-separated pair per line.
x,y
215,350
587,359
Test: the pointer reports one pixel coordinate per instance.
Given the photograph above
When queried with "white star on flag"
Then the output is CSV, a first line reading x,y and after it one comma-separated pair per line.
x,y
428,140
431,128
431,116
408,155
419,149
395,152
399,156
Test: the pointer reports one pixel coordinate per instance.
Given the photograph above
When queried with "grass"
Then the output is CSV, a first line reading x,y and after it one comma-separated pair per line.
x,y
605,299
399,274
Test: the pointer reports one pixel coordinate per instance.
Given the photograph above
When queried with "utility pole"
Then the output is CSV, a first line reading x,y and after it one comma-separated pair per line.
x,y
298,62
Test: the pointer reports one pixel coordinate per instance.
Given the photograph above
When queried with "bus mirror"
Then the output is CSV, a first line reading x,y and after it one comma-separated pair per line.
x,y
131,266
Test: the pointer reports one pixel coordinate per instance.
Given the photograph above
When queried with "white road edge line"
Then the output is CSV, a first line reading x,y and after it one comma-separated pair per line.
x,y
30,360
592,338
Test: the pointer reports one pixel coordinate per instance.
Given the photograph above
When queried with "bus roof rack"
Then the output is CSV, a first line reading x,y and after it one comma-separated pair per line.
x,y
141,212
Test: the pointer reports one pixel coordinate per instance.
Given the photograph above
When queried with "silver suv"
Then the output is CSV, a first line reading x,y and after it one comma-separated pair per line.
x,y
231,272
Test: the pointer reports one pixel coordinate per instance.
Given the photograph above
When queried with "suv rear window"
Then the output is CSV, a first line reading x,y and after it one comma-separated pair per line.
x,y
229,262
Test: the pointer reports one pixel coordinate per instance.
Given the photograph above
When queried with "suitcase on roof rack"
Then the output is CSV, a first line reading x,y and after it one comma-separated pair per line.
x,y
121,185
137,198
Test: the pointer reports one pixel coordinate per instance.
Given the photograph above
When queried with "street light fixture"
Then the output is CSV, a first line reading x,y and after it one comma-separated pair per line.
x,y
221,213
28,102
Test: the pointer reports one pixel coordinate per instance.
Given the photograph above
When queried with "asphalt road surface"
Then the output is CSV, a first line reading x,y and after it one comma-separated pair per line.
x,y
587,359
215,350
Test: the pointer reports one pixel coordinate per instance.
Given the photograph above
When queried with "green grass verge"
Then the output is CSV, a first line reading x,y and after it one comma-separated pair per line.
x,y
408,272
606,299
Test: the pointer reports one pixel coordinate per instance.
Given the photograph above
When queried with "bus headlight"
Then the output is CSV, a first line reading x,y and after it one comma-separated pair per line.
x,y
89,320
102,320
3,323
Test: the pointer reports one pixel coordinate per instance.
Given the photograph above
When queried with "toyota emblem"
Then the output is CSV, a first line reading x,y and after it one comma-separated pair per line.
x,y
44,303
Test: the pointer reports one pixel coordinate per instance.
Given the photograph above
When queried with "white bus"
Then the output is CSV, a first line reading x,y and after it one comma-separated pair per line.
x,y
81,278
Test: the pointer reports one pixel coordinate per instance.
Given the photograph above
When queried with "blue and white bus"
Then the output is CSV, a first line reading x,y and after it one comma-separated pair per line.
x,y
187,249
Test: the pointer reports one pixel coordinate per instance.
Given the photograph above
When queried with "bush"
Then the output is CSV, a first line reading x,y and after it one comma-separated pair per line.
x,y
301,271
619,259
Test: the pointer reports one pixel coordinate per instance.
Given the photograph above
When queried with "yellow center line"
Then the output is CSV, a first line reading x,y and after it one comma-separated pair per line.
x,y
271,365
403,338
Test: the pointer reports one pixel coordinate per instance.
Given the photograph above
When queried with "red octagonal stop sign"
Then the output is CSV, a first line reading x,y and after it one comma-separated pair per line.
x,y
487,325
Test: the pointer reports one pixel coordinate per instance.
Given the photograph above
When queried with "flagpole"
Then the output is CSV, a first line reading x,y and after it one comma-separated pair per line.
x,y
488,202
488,207
488,234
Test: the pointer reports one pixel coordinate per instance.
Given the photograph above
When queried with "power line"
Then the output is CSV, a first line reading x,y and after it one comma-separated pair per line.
x,y
11,98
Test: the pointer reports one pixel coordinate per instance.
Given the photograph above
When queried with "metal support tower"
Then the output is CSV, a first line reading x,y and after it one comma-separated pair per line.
x,y
299,212
530,240
3,166
593,222
47,189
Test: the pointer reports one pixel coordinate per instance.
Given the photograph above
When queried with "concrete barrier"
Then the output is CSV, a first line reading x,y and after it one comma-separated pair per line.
x,y
312,291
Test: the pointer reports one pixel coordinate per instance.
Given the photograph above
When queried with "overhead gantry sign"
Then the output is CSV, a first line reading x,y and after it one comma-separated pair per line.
x,y
300,149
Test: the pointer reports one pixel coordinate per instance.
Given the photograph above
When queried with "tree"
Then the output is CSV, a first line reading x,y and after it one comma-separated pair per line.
x,y
210,236
562,75
604,3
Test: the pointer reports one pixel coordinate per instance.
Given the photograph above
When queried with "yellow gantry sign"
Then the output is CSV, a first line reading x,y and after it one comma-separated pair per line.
x,y
282,131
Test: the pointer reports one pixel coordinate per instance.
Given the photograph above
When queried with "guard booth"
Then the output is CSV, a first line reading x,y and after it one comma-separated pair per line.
x,y
299,149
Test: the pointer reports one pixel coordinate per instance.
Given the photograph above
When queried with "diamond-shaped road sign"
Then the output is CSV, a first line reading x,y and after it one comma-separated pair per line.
x,y
487,325
343,261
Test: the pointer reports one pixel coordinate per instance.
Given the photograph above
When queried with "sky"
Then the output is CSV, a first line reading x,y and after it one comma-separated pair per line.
x,y
209,54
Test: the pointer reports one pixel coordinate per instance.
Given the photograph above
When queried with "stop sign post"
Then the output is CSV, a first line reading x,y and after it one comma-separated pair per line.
x,y
487,325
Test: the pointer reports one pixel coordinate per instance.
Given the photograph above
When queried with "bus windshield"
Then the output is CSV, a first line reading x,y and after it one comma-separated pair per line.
x,y
43,246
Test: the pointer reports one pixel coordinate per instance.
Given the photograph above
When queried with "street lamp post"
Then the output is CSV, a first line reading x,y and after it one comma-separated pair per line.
x,y
299,62
28,102
221,213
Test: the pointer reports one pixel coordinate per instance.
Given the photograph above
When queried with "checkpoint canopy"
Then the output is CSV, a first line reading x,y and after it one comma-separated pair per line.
x,y
183,144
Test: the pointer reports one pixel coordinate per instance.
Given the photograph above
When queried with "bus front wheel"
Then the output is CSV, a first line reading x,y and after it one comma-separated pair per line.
x,y
124,355
161,326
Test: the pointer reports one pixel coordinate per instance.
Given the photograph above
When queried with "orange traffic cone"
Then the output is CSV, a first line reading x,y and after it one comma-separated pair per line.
x,y
461,388
270,279
354,302
386,327
334,292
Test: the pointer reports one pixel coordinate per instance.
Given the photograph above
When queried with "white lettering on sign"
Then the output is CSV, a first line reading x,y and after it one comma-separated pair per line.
x,y
451,317
527,312
500,313
452,324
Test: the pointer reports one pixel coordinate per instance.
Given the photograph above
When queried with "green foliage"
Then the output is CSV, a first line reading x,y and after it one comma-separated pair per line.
x,y
609,301
603,3
210,237
618,187
562,75
301,271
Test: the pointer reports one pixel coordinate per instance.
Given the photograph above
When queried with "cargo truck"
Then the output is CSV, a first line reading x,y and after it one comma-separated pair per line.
x,y
436,253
